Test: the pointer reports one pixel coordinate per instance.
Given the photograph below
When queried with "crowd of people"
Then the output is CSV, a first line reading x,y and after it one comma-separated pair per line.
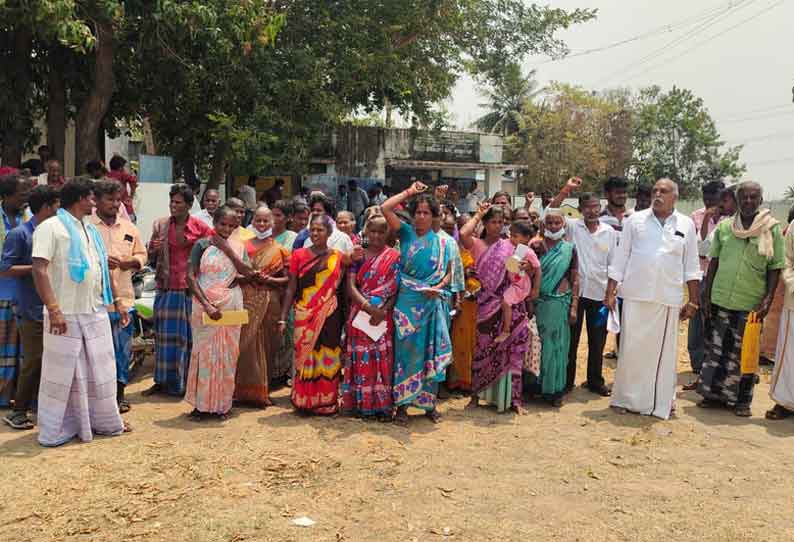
x,y
368,305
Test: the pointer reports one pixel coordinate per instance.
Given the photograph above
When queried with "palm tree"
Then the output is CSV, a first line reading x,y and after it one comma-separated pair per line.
x,y
506,100
788,195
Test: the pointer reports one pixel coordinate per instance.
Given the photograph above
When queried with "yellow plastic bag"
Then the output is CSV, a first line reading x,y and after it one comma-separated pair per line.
x,y
751,344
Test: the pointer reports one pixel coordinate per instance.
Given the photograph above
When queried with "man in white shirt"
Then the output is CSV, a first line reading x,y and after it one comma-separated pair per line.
x,y
210,200
658,253
77,394
596,244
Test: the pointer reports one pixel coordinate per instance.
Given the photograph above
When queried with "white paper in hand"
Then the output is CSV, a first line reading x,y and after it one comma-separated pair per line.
x,y
613,321
361,321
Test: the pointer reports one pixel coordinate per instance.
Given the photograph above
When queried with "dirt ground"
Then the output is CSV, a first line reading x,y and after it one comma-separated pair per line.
x,y
581,473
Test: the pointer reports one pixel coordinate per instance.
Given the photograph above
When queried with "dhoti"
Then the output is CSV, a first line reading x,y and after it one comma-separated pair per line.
x,y
77,395
645,379
781,388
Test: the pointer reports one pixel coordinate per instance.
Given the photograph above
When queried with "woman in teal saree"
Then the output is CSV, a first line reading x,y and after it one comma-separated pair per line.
x,y
422,345
555,309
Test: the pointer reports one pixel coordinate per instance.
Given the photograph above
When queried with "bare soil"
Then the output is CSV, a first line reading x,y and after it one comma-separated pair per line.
x,y
579,473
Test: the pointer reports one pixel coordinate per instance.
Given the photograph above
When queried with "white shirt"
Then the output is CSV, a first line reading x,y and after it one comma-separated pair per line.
x,y
338,240
654,260
51,242
205,216
594,253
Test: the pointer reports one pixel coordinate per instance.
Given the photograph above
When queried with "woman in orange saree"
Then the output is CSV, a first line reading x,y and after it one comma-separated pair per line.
x,y
315,274
262,299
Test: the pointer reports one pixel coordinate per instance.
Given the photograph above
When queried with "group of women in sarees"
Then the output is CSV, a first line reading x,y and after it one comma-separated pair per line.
x,y
423,306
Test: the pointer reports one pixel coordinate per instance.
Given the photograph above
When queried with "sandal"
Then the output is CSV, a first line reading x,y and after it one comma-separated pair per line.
x,y
127,427
401,417
556,402
778,413
743,411
156,388
124,406
434,416
19,420
710,403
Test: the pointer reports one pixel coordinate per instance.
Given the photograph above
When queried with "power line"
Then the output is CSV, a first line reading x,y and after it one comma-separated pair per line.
x,y
724,10
760,110
709,39
765,116
772,161
761,138
669,27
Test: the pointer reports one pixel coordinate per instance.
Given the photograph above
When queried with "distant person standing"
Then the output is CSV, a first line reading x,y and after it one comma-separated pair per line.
x,y
53,176
170,246
274,193
37,166
209,204
128,182
126,254
642,198
474,198
247,193
17,263
376,195
705,219
357,201
14,191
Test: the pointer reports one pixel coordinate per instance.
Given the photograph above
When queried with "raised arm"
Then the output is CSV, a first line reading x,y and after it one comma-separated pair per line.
x,y
467,231
388,206
574,183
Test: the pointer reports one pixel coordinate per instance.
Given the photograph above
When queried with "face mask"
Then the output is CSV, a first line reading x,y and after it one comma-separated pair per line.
x,y
261,235
554,236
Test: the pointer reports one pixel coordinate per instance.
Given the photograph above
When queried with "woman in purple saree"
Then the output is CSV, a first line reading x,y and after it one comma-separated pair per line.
x,y
497,364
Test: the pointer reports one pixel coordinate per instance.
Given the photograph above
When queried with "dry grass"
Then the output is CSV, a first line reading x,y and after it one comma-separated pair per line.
x,y
583,473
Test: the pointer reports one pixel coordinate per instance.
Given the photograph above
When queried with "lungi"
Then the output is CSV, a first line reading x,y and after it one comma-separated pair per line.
x,y
173,339
721,377
122,346
9,353
77,395
646,377
781,388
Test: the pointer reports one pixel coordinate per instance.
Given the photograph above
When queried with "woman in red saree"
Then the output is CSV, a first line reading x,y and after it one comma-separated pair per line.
x,y
315,274
372,287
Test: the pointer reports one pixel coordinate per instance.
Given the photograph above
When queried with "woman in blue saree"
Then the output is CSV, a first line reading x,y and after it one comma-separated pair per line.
x,y
422,345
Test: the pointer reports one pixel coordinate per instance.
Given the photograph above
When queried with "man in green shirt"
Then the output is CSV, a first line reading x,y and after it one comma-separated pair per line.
x,y
746,259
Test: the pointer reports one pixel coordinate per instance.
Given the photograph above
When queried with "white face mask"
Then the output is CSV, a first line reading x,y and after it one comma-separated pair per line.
x,y
554,236
261,235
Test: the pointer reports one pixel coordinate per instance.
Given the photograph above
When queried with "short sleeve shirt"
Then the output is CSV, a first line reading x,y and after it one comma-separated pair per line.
x,y
740,282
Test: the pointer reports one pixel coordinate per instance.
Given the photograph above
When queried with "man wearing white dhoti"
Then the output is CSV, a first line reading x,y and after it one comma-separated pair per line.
x,y
657,254
77,394
781,388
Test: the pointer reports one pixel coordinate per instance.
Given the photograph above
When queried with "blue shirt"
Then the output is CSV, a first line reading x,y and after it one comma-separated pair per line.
x,y
8,285
17,250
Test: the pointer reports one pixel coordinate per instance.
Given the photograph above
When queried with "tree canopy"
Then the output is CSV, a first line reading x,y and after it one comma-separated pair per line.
x,y
255,82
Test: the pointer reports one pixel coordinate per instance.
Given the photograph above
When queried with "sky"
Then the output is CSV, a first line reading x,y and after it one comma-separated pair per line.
x,y
740,61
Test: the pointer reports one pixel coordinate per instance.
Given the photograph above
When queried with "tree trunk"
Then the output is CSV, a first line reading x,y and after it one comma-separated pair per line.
x,y
16,127
56,105
93,110
218,171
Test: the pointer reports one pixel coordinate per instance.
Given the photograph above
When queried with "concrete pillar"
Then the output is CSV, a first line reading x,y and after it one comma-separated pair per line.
x,y
493,181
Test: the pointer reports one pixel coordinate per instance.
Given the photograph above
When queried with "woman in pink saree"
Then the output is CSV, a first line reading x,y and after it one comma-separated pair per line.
x,y
213,276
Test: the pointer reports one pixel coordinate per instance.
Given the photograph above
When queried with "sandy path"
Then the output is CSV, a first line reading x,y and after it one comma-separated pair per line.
x,y
583,473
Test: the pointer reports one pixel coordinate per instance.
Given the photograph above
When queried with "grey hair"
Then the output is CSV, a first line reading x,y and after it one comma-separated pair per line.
x,y
671,181
749,184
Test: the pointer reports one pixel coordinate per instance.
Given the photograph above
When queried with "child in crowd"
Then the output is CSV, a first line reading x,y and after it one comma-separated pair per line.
x,y
521,232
